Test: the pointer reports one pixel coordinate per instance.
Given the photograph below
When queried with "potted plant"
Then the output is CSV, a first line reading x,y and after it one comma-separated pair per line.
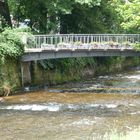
x,y
94,44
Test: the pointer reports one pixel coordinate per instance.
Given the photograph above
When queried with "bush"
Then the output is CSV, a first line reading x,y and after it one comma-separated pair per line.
x,y
137,46
11,44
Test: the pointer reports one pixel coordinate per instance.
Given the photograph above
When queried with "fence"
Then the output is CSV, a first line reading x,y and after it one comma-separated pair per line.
x,y
59,40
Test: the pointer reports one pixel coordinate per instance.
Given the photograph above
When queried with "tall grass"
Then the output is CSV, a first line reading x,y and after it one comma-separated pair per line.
x,y
133,135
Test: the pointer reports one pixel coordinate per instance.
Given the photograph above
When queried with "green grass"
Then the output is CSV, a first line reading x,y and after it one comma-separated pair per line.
x,y
133,135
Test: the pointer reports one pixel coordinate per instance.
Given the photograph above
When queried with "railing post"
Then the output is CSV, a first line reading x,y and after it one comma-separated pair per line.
x,y
61,39
24,39
84,39
55,41
44,40
39,41
87,39
66,37
92,38
51,41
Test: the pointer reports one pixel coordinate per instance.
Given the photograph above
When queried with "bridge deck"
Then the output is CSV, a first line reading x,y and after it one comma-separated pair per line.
x,y
41,54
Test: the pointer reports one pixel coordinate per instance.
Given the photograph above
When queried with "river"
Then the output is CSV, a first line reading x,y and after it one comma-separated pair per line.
x,y
93,109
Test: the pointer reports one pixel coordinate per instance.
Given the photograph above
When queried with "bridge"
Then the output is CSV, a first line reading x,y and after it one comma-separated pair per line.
x,y
41,47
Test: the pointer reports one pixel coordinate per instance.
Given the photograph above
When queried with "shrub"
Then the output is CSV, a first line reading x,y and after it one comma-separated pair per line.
x,y
11,44
136,46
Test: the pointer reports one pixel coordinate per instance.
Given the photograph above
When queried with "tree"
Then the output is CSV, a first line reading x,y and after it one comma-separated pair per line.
x,y
129,14
4,13
47,13
98,18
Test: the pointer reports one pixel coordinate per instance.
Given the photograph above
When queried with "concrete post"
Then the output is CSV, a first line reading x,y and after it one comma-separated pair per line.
x,y
25,73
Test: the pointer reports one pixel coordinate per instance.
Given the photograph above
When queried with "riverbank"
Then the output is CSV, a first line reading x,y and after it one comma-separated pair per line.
x,y
53,72
60,71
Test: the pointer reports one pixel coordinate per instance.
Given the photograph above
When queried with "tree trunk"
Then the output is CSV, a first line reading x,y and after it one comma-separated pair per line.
x,y
4,12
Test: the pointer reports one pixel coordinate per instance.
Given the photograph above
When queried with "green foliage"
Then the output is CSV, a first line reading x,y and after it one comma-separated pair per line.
x,y
78,43
68,64
100,18
137,46
131,135
10,74
129,15
47,13
10,44
79,16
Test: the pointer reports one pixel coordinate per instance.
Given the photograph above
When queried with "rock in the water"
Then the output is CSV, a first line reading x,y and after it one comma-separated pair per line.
x,y
1,99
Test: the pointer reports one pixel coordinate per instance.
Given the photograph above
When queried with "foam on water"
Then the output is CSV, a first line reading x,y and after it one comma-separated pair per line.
x,y
134,77
54,107
83,122
34,107
103,105
135,113
111,105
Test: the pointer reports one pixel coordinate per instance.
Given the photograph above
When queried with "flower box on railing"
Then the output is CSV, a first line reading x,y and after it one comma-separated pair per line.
x,y
48,46
64,46
82,47
94,45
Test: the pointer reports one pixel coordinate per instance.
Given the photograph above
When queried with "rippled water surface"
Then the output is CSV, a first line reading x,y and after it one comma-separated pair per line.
x,y
87,110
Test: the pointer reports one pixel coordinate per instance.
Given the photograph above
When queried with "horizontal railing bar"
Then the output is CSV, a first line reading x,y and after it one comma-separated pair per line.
x,y
90,35
83,34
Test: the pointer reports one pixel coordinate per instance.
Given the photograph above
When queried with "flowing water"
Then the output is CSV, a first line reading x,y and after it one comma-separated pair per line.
x,y
87,110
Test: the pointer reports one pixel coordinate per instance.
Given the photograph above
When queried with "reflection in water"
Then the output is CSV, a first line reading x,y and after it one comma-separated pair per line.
x,y
97,109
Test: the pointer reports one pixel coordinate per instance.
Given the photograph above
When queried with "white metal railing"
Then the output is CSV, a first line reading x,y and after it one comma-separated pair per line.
x,y
84,41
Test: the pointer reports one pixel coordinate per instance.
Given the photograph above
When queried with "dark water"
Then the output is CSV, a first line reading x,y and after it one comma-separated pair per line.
x,y
87,110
